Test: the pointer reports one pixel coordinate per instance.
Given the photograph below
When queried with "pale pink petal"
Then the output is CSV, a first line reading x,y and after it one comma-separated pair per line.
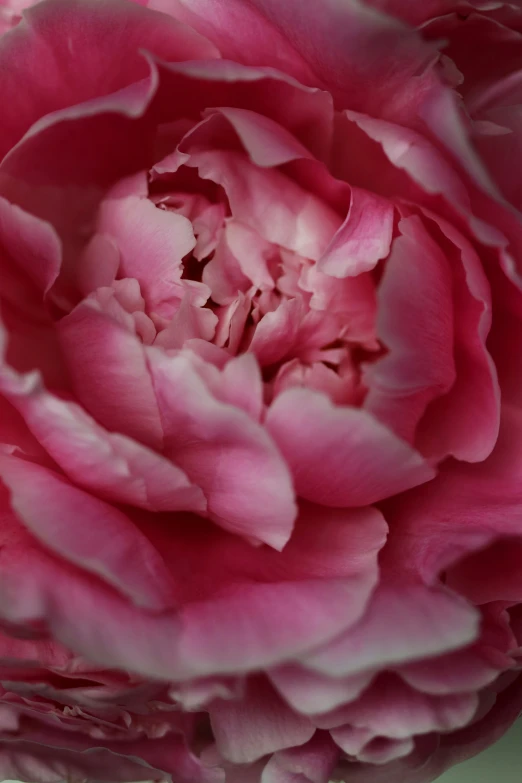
x,y
88,532
352,298
223,274
267,143
363,239
341,388
341,456
108,464
311,693
253,254
400,624
257,724
416,329
99,264
269,202
189,322
276,334
225,452
152,243
110,375
383,750
313,762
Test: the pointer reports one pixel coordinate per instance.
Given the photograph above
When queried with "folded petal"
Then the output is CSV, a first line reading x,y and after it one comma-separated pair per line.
x,y
417,331
312,762
88,532
225,452
401,624
363,239
341,456
109,373
390,708
106,463
258,724
56,39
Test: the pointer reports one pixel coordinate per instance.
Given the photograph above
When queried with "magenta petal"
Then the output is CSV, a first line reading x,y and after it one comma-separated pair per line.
x,y
341,456
87,532
57,38
258,724
225,452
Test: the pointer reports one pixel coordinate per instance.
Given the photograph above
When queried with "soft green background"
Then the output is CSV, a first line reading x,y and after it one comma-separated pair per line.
x,y
500,764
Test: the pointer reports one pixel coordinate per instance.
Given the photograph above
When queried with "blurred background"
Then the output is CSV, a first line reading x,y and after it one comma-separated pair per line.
x,y
500,764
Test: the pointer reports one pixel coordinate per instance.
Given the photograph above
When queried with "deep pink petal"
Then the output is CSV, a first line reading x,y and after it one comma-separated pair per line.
x,y
341,456
417,331
465,510
465,422
57,38
31,244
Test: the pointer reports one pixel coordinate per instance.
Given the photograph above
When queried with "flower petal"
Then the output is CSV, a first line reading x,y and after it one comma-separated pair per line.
x,y
341,456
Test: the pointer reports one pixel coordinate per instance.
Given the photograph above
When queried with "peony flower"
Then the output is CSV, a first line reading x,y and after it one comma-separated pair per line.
x,y
260,397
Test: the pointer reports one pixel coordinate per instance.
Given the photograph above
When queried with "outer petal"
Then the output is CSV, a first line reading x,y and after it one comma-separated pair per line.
x,y
341,456
402,623
57,38
112,465
271,606
88,532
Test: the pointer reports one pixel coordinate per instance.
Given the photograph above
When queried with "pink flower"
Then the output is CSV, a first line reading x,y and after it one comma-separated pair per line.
x,y
260,396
